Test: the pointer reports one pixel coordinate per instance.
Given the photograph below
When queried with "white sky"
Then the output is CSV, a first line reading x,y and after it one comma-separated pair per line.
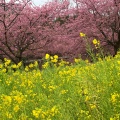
x,y
40,2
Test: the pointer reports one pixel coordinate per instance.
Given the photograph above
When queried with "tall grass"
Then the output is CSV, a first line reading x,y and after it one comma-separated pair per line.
x,y
60,91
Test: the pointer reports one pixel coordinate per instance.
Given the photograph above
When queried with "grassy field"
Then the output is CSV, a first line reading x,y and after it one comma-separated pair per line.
x,y
80,91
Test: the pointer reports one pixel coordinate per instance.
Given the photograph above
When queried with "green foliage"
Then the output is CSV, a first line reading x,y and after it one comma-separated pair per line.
x,y
95,51
81,91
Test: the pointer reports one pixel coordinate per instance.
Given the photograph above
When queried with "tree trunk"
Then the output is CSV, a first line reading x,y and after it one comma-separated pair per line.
x,y
117,44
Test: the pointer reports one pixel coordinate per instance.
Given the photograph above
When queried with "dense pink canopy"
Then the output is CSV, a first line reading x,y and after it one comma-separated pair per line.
x,y
30,31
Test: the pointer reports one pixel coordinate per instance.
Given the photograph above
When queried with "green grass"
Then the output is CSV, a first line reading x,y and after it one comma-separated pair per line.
x,y
81,91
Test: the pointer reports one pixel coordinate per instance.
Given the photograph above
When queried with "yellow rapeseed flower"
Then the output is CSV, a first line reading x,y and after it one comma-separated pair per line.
x,y
92,106
51,57
54,60
77,60
26,68
35,63
14,66
31,65
45,65
19,64
51,88
118,62
36,113
114,97
6,99
7,62
55,56
64,91
98,42
87,61
16,108
1,66
47,56
87,98
95,41
19,99
9,115
53,111
111,118
23,116
5,59
82,34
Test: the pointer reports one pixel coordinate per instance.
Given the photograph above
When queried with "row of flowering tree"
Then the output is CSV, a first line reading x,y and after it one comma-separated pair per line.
x,y
27,30
101,19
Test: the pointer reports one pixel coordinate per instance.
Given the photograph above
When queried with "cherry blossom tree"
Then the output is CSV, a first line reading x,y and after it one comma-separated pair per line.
x,y
21,28
17,28
27,30
100,19
54,28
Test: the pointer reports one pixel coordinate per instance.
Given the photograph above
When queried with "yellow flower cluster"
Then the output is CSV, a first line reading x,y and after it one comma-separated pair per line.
x,y
77,60
50,59
7,62
54,59
114,97
6,99
40,114
76,91
82,34
16,108
96,42
31,66
45,65
47,56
